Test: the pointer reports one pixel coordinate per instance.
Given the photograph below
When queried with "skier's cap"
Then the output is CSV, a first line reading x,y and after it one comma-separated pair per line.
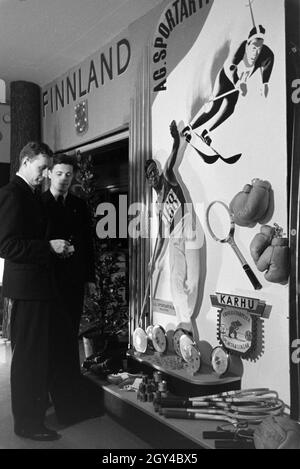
x,y
257,33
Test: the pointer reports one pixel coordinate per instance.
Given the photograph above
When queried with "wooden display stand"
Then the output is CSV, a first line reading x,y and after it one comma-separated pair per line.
x,y
141,419
179,381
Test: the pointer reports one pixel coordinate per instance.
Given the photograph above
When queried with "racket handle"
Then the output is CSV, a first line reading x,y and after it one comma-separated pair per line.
x,y
178,403
224,434
234,444
253,279
177,414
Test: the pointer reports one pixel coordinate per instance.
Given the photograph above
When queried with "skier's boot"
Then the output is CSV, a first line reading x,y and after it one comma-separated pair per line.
x,y
186,132
206,137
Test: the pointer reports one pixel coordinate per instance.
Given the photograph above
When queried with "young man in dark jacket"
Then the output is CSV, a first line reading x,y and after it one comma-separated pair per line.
x,y
75,397
68,218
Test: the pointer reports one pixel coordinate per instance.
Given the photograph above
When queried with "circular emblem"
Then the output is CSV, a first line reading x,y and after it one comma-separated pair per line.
x,y
6,118
159,339
140,341
219,360
190,353
176,340
236,331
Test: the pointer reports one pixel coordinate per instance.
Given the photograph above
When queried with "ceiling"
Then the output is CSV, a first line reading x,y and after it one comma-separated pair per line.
x,y
42,39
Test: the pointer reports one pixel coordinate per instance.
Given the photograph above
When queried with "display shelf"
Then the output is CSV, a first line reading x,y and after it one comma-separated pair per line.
x,y
181,381
141,418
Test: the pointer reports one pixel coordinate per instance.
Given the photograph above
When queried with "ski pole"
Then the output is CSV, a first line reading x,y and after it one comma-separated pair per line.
x,y
220,96
212,100
249,4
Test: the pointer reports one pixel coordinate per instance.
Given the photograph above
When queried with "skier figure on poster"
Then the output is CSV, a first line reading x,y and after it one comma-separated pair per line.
x,y
175,228
231,81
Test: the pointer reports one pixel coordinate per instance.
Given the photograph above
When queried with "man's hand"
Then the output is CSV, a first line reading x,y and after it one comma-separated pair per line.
x,y
90,288
242,87
174,131
61,247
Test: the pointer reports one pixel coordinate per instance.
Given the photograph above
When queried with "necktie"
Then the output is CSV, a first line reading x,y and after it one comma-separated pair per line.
x,y
60,201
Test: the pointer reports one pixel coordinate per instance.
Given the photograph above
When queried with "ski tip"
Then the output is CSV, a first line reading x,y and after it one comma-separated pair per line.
x,y
211,159
231,159
207,159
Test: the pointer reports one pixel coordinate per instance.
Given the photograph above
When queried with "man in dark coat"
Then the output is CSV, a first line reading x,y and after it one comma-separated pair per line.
x,y
68,218
27,282
74,396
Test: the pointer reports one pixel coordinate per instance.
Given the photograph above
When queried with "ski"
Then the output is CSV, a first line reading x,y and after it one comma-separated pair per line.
x,y
206,158
210,159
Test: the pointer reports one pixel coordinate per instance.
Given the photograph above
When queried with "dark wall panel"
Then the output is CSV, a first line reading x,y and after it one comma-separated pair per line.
x,y
4,173
25,118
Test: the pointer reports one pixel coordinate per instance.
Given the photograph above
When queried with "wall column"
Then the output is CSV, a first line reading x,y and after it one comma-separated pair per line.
x,y
139,192
25,118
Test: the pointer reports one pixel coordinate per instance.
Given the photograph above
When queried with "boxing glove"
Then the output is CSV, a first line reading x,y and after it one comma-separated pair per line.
x,y
277,432
251,204
261,241
271,254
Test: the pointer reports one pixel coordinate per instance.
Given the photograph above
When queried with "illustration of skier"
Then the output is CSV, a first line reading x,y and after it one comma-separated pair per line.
x,y
232,80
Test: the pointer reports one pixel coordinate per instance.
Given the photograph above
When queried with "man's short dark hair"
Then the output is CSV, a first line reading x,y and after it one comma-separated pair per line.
x,y
148,163
33,149
62,158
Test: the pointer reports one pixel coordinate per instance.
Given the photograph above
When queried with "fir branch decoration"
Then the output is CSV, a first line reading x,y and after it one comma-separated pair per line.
x,y
105,311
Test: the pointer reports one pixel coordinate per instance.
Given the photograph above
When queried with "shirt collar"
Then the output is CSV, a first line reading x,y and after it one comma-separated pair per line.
x,y
57,195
